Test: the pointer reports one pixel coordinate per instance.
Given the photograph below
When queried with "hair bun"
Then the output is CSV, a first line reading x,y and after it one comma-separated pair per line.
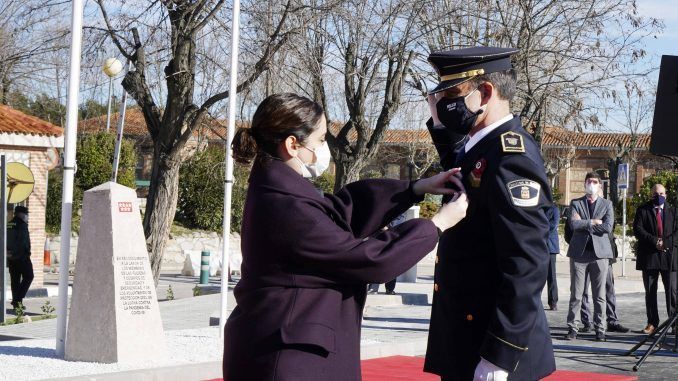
x,y
244,146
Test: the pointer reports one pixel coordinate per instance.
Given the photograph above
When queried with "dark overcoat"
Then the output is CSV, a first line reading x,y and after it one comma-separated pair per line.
x,y
18,240
645,230
492,266
307,259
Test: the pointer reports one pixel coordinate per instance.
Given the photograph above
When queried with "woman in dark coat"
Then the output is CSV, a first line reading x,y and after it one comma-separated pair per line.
x,y
308,257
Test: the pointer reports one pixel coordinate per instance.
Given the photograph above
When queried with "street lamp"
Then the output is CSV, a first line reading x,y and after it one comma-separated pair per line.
x,y
112,67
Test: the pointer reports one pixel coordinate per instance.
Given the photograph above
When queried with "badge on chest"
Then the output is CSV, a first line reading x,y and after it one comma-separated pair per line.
x,y
476,173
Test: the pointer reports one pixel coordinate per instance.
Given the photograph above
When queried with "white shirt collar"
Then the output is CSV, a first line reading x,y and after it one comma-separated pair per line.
x,y
473,140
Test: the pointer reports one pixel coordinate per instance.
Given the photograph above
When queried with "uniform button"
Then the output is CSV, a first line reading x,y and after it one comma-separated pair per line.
x,y
435,287
469,317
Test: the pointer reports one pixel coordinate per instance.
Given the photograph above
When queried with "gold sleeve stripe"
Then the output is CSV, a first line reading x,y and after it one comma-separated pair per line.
x,y
507,343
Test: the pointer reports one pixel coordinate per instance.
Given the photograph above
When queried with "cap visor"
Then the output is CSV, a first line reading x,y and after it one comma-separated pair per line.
x,y
442,86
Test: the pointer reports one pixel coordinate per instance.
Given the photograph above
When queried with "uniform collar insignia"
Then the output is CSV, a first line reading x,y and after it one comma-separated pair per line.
x,y
512,142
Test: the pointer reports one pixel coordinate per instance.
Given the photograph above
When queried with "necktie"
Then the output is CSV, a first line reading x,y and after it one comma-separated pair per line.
x,y
660,225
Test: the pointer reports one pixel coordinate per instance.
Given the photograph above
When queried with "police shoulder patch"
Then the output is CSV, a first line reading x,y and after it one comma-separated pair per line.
x,y
524,192
512,142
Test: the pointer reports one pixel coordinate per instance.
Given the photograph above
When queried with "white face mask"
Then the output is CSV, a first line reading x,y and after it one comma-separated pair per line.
x,y
592,188
322,161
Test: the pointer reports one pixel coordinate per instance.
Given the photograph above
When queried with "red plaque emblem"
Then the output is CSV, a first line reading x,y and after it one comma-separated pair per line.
x,y
125,207
477,172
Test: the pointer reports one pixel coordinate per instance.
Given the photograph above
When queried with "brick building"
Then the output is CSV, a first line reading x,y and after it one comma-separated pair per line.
x,y
570,155
34,143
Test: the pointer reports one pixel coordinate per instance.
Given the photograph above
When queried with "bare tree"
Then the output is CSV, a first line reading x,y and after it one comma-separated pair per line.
x,y
571,52
368,43
180,34
633,108
558,159
29,35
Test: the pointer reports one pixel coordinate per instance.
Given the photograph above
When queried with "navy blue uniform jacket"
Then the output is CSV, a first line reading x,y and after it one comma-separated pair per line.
x,y
491,267
553,243
307,259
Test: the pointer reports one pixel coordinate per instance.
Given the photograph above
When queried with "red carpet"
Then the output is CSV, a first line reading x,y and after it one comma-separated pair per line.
x,y
402,368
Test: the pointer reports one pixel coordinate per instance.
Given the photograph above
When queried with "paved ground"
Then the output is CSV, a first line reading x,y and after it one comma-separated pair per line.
x,y
390,327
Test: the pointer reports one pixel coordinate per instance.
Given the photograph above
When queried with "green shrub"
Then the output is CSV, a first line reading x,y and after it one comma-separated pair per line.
x,y
201,192
428,209
53,209
325,183
94,157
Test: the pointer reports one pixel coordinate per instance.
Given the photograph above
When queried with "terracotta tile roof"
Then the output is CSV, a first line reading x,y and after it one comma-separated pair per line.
x,y
558,137
135,126
391,136
215,130
16,122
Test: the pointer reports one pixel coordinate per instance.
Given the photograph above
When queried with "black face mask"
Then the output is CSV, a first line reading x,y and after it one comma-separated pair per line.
x,y
453,114
658,200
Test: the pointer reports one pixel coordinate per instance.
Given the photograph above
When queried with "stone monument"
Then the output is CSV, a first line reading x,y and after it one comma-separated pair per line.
x,y
114,309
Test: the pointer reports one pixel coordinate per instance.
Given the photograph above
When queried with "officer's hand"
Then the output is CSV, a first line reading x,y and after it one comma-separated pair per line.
x,y
432,101
486,371
596,222
438,184
452,212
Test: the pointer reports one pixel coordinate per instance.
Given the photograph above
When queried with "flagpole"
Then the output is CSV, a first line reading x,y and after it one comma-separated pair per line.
x,y
68,173
228,170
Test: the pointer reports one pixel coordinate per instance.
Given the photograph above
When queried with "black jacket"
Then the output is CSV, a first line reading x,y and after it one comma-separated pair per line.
x,y
18,240
645,230
491,267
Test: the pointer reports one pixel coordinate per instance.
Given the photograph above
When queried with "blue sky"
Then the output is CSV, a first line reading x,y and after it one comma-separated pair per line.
x,y
667,11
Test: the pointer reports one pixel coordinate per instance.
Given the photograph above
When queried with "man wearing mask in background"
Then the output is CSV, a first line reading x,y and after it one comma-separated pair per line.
x,y
487,319
657,253
19,255
590,250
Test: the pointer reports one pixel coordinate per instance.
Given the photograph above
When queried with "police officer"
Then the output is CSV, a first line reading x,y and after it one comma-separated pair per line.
x,y
487,320
19,255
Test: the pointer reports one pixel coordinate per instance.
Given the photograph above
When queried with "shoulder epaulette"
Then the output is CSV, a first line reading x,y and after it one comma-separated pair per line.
x,y
512,142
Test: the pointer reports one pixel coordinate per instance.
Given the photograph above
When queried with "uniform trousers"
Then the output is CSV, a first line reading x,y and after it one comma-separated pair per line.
x,y
21,277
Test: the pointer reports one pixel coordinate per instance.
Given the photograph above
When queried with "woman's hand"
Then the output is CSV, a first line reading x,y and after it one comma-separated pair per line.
x,y
436,184
452,212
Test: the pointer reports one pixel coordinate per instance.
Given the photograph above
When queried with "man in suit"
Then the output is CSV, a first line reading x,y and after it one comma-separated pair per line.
x,y
590,250
655,228
487,319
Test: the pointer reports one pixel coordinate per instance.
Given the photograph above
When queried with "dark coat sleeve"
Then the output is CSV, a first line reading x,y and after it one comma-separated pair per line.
x,y
369,205
323,254
523,260
643,233
446,143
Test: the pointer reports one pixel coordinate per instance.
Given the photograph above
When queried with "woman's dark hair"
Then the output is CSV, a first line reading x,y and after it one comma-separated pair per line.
x,y
277,117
